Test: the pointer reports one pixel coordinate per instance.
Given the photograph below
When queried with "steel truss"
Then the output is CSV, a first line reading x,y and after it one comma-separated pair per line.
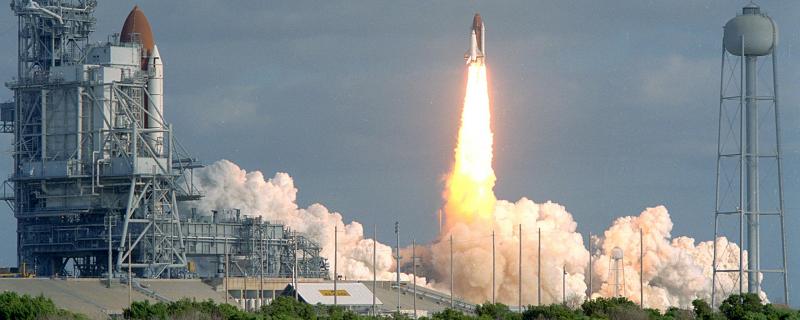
x,y
746,194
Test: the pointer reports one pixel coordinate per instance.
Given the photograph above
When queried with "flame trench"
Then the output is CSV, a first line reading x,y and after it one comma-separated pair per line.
x,y
469,187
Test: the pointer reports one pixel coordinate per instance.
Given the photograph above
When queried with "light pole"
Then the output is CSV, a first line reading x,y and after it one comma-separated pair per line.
x,y
397,233
493,269
335,264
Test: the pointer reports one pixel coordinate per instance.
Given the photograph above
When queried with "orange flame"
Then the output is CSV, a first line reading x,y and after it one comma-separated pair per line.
x,y
469,188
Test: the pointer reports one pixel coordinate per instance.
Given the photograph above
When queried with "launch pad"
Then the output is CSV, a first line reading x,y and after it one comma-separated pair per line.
x,y
99,177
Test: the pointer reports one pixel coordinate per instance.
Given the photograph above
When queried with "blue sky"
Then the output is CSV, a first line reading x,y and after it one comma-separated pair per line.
x,y
604,107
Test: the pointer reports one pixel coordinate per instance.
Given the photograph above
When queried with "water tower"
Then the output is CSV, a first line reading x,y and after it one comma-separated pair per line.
x,y
749,186
616,272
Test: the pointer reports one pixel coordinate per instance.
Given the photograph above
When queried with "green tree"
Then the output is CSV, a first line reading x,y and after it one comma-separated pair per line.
x,y
678,314
289,308
604,308
25,307
495,311
450,314
553,311
743,306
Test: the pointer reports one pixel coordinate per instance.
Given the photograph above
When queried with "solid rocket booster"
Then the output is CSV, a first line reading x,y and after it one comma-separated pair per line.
x,y
477,42
155,105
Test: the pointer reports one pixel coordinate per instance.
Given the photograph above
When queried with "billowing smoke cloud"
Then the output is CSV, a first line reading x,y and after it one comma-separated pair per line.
x,y
227,186
676,271
561,247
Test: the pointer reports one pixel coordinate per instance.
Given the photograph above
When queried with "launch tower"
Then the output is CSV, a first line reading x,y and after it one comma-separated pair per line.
x,y
96,165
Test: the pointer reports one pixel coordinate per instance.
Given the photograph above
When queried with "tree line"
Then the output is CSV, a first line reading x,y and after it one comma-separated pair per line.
x,y
735,307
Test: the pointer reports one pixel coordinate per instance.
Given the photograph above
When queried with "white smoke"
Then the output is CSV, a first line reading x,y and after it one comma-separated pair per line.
x,y
562,247
226,186
676,271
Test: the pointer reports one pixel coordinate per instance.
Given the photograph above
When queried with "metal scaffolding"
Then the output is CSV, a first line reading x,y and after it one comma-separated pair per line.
x,y
95,163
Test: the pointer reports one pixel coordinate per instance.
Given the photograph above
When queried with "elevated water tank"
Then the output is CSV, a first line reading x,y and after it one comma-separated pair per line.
x,y
616,253
758,30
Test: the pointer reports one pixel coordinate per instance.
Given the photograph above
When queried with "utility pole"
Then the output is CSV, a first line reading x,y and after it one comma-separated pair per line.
x,y
261,272
226,268
397,249
493,270
440,221
564,285
452,292
110,271
591,252
294,271
519,279
539,270
414,272
130,277
641,268
374,262
335,264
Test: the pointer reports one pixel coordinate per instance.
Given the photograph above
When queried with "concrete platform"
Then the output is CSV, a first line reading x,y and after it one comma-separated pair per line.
x,y
86,296
176,289
90,296
428,301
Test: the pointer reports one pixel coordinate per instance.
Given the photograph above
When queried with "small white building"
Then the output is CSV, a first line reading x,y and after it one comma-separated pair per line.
x,y
354,296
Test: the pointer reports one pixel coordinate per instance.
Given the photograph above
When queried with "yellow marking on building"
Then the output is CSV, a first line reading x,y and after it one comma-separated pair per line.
x,y
331,293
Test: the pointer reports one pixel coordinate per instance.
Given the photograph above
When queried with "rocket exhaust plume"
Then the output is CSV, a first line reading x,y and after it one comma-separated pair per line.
x,y
469,191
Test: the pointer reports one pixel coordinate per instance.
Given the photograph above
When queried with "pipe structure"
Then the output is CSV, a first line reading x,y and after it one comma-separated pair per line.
x,y
752,214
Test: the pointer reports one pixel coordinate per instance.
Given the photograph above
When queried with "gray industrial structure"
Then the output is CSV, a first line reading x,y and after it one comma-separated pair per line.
x,y
749,187
97,167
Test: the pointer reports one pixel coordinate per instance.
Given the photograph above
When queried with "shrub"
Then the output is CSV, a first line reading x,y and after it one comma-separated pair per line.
x,y
450,314
25,307
606,307
553,311
495,311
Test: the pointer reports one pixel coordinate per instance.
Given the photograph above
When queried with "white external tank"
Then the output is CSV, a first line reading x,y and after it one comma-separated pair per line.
x,y
759,32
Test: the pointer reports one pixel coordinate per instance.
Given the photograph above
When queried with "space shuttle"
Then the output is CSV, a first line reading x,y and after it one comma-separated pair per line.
x,y
477,42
